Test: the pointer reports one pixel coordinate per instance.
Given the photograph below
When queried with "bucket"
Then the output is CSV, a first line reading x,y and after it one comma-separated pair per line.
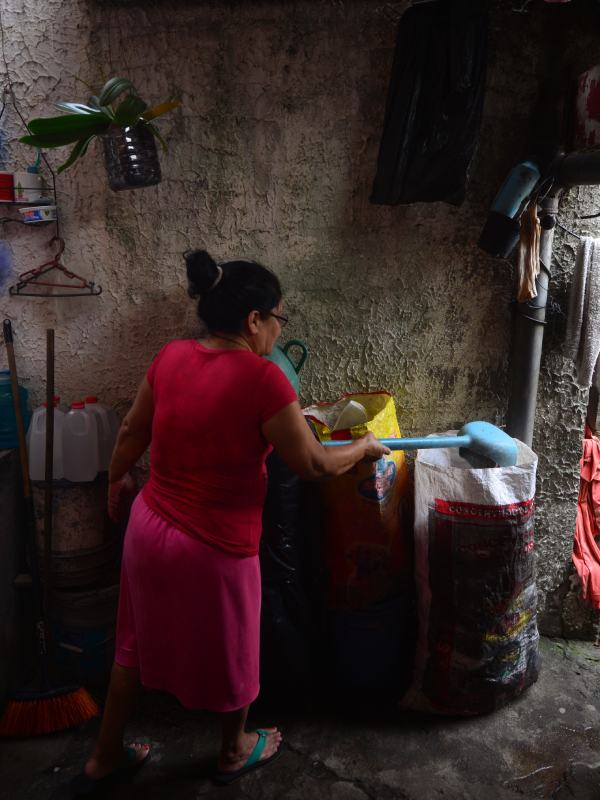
x,y
85,548
7,187
288,365
83,631
77,569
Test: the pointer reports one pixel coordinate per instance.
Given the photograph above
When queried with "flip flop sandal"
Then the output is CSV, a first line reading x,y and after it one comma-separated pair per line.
x,y
254,761
82,785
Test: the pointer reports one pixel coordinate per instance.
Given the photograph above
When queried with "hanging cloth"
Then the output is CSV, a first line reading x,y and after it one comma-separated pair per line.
x,y
434,103
586,553
528,262
582,338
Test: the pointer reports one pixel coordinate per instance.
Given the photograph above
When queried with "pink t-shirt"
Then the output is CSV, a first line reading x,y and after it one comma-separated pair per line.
x,y
208,475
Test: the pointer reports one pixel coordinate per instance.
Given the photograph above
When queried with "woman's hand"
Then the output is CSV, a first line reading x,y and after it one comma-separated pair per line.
x,y
373,448
120,497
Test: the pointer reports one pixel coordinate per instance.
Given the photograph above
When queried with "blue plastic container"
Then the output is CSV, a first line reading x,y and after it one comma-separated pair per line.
x,y
519,184
8,424
84,655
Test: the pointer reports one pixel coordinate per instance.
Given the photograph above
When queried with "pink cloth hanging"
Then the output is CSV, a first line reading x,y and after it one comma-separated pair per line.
x,y
586,553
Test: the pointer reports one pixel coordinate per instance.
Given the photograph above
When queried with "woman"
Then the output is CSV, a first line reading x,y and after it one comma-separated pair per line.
x,y
189,606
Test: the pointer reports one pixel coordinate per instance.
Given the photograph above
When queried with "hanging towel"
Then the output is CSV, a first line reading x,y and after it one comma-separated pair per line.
x,y
582,341
586,555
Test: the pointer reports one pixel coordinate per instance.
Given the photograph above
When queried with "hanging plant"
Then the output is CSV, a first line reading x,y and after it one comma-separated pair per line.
x,y
127,130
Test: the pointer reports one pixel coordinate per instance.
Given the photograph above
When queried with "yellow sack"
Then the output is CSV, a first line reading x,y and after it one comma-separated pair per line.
x,y
367,543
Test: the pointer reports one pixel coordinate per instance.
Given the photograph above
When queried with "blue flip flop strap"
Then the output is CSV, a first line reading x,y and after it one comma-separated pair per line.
x,y
258,748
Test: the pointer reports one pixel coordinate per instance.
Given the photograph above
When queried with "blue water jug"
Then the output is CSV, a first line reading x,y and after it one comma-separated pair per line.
x,y
8,424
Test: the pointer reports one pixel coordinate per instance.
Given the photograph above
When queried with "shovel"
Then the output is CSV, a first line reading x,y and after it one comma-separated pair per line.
x,y
481,444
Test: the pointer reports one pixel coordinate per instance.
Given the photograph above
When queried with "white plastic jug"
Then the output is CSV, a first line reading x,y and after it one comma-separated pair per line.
x,y
80,445
36,443
105,426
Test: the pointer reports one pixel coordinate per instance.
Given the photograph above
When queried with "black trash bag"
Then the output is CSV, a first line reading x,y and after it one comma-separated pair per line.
x,y
287,630
434,104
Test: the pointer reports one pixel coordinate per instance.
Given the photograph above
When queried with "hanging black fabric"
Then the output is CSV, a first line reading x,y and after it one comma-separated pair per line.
x,y
434,103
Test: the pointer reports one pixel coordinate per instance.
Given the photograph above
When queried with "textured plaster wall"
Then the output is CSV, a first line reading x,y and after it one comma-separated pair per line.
x,y
271,156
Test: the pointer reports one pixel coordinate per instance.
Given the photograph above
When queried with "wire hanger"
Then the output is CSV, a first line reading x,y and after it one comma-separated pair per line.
x,y
30,280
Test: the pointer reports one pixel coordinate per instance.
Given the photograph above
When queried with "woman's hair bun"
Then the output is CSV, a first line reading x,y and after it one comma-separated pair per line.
x,y
201,271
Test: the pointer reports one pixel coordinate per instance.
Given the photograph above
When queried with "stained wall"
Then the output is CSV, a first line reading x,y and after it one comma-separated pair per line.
x,y
271,156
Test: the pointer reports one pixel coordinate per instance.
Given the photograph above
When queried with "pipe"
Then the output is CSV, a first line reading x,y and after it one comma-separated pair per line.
x,y
577,169
528,335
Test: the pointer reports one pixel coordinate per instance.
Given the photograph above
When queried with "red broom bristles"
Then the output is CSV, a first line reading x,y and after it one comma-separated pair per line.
x,y
47,714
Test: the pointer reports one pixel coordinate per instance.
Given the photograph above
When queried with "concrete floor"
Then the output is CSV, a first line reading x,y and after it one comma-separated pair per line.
x,y
545,745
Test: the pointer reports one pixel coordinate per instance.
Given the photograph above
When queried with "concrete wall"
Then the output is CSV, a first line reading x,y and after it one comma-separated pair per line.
x,y
272,154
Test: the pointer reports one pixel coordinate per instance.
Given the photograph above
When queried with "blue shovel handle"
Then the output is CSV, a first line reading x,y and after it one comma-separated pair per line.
x,y
414,444
481,439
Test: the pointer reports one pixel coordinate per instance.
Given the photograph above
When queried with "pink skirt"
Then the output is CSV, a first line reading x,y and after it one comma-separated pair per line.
x,y
189,615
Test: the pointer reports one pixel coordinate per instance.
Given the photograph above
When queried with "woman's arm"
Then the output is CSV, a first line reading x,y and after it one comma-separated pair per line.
x,y
290,435
135,434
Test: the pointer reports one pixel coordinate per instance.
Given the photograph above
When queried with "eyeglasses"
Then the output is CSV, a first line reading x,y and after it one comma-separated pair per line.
x,y
283,321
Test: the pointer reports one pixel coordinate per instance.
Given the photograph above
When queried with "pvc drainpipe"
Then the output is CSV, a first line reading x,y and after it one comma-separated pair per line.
x,y
528,335
577,169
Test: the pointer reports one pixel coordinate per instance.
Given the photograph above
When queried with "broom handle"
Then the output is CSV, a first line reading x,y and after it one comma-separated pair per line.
x,y
14,385
48,473
29,512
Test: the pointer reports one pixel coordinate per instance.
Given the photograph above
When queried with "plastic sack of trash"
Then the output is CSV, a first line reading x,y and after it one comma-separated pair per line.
x,y
477,644
366,545
434,104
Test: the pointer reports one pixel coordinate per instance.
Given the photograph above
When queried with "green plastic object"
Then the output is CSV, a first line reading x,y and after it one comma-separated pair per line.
x,y
289,365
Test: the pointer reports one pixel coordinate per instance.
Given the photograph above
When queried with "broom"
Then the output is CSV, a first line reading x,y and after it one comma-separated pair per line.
x,y
47,709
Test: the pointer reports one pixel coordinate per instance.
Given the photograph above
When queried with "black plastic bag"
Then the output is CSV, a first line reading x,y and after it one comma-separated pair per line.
x,y
434,104
287,618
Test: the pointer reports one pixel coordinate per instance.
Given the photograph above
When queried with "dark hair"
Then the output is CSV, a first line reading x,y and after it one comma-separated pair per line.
x,y
226,298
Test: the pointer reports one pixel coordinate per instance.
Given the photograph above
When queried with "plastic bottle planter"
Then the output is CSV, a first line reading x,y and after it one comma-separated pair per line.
x,y
131,158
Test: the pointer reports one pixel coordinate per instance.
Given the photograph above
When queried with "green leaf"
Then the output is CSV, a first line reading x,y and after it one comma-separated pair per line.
x,y
162,108
129,111
113,88
78,124
44,142
78,108
94,103
156,133
77,152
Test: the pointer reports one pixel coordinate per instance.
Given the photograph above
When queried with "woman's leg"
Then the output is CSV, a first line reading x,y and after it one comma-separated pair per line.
x,y
236,744
122,693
